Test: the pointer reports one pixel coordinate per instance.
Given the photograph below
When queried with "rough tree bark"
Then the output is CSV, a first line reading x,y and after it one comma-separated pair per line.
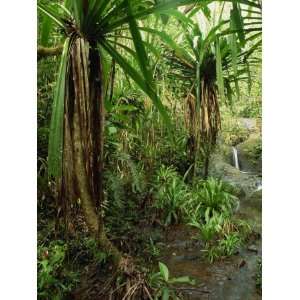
x,y
84,139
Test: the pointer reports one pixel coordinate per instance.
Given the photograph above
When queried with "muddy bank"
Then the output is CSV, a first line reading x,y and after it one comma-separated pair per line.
x,y
232,278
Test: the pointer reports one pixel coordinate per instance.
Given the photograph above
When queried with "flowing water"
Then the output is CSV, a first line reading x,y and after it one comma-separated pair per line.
x,y
232,278
235,158
229,279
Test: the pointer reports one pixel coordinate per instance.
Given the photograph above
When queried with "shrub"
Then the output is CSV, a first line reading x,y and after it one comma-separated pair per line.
x,y
54,278
170,195
215,196
211,227
161,283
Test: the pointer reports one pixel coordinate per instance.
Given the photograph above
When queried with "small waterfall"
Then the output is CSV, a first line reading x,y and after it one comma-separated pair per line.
x,y
235,158
258,186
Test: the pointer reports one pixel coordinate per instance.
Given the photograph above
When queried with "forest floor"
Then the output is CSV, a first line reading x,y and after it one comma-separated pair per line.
x,y
235,277
232,278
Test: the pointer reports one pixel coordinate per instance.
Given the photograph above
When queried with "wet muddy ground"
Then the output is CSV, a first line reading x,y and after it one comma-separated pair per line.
x,y
232,278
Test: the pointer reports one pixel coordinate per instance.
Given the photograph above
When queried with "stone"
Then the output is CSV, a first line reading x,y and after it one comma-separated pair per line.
x,y
253,248
250,156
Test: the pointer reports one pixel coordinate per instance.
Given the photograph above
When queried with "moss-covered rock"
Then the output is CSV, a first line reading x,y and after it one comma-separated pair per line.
x,y
250,154
254,200
221,166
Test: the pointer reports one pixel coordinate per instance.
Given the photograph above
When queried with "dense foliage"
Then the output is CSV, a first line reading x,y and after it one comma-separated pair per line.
x,y
131,98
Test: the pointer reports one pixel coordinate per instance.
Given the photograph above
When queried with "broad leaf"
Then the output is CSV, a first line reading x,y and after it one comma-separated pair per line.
x,y
164,271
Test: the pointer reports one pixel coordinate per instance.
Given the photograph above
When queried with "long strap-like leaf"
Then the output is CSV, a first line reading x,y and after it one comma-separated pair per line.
x,y
220,81
55,146
138,79
142,57
51,13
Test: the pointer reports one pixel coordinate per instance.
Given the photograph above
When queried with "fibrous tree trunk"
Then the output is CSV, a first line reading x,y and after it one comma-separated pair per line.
x,y
203,123
210,123
84,137
191,122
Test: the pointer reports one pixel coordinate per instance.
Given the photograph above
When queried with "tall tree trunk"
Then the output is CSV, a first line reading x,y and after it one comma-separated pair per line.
x,y
210,123
84,139
192,142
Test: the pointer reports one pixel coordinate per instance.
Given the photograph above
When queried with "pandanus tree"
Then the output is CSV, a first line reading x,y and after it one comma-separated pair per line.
x,y
75,152
210,66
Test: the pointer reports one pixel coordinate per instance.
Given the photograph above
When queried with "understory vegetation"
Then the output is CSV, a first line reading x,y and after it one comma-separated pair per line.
x,y
134,98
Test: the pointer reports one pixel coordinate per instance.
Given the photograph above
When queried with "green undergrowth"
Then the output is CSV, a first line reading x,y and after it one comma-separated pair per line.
x,y
148,187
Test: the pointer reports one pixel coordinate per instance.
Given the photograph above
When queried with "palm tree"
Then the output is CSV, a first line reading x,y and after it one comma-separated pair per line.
x,y
208,64
75,154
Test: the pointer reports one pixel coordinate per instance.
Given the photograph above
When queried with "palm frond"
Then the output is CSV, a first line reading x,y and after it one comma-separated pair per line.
x,y
55,147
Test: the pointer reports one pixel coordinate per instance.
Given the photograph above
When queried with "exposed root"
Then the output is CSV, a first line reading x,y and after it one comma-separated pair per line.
x,y
125,283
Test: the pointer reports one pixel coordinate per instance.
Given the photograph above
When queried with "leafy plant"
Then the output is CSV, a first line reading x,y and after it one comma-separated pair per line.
x,y
98,256
222,234
213,253
153,249
171,193
54,279
162,283
93,31
214,195
209,228
208,64
207,198
230,243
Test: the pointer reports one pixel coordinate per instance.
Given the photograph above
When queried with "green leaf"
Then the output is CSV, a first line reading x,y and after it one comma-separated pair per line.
x,y
129,50
220,80
51,13
142,57
112,130
96,11
249,77
234,51
124,107
164,271
158,8
55,147
78,11
139,80
206,11
212,35
180,16
183,279
45,30
237,21
180,51
165,293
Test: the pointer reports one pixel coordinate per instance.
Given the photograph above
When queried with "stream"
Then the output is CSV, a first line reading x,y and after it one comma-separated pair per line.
x,y
232,278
